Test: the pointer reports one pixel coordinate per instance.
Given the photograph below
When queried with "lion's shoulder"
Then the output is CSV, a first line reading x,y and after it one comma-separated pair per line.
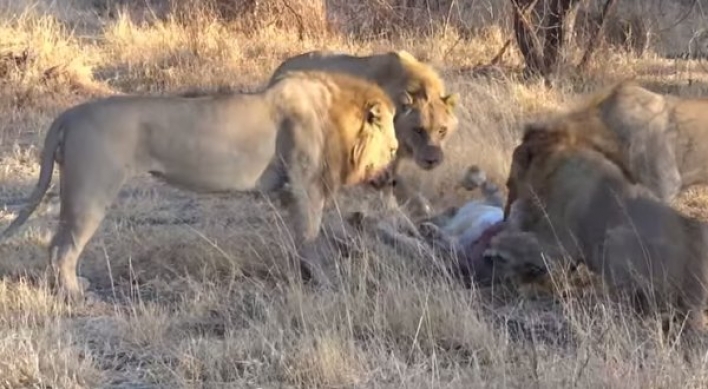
x,y
419,74
394,67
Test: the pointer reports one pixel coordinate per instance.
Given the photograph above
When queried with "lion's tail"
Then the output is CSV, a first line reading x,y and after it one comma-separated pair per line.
x,y
51,143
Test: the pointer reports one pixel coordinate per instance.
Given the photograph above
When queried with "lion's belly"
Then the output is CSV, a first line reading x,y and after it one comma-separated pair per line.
x,y
228,177
214,165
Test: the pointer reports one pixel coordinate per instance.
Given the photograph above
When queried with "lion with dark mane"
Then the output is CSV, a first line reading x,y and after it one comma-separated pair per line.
x,y
425,116
570,189
314,131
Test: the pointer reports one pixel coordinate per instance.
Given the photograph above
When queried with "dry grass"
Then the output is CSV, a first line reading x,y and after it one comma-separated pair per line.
x,y
193,291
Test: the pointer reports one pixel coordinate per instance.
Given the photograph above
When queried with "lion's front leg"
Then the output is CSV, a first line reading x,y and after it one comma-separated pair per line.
x,y
397,192
385,182
414,201
306,210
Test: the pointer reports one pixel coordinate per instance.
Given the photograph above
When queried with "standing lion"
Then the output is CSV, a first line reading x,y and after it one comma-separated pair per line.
x,y
569,189
316,131
425,116
663,138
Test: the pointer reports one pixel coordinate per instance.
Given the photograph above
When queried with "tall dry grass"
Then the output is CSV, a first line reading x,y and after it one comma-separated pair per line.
x,y
193,291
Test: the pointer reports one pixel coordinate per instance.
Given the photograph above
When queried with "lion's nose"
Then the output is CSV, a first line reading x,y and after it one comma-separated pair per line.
x,y
430,161
433,157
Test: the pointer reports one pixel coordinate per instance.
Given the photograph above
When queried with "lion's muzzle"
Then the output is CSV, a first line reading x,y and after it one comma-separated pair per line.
x,y
430,157
380,179
478,263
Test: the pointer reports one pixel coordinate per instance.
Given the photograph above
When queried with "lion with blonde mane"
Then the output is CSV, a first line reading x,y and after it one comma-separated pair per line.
x,y
570,190
314,131
425,116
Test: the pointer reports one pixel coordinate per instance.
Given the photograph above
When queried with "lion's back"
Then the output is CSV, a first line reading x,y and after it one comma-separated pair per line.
x,y
322,61
329,93
329,102
625,108
639,123
399,69
665,136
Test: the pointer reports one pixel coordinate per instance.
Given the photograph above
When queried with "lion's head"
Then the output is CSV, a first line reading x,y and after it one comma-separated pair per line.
x,y
426,117
424,124
531,162
424,111
512,256
375,144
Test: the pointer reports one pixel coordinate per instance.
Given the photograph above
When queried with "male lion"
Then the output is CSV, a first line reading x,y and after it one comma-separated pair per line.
x,y
664,139
569,189
316,131
425,115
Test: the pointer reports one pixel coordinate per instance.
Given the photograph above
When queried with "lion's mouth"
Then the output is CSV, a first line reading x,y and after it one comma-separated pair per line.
x,y
514,214
480,248
375,176
482,243
426,164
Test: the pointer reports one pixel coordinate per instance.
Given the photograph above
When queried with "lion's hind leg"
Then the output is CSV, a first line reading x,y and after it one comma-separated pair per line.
x,y
273,184
85,196
692,304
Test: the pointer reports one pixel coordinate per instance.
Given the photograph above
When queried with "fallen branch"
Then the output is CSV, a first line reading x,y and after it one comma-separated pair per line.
x,y
298,18
497,58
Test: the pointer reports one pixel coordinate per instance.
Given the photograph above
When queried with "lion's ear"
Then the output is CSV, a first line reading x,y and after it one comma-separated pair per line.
x,y
534,131
451,100
406,99
520,163
373,114
522,155
406,102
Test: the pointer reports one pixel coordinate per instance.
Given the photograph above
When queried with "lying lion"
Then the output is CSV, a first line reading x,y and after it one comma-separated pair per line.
x,y
663,138
568,189
425,116
316,131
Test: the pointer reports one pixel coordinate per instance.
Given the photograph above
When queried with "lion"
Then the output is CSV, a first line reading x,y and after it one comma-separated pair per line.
x,y
569,189
425,113
313,131
663,138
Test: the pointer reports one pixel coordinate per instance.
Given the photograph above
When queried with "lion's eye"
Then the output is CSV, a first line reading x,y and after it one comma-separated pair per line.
x,y
419,130
442,131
